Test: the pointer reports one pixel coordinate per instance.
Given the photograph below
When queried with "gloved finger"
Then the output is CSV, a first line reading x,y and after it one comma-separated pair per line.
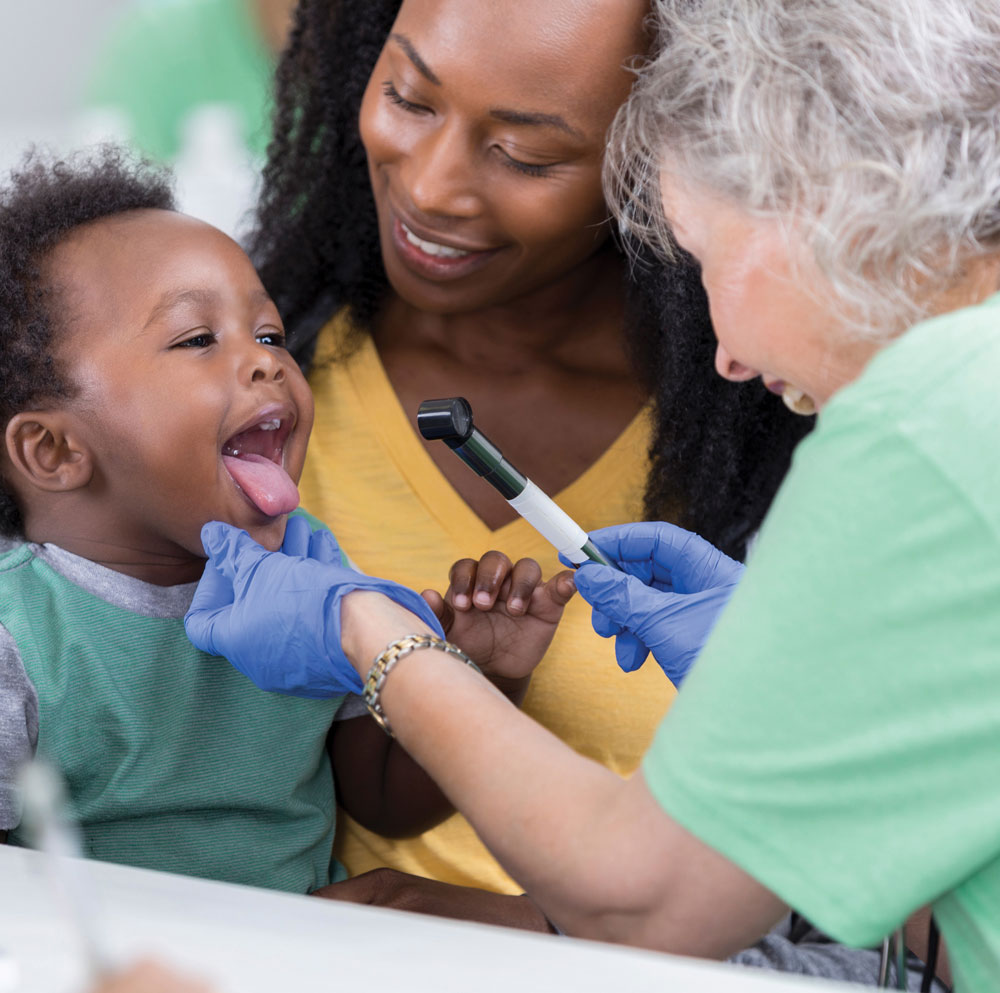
x,y
630,652
214,590
323,547
297,535
633,546
698,564
211,603
624,599
525,577
603,624
678,558
566,562
233,552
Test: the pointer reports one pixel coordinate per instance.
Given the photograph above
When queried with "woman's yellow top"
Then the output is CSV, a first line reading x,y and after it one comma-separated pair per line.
x,y
369,478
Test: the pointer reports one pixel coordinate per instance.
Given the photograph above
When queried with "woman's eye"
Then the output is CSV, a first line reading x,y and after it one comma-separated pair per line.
x,y
200,340
271,336
525,168
395,97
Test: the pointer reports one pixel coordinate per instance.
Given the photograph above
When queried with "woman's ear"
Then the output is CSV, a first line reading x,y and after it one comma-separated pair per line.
x,y
45,452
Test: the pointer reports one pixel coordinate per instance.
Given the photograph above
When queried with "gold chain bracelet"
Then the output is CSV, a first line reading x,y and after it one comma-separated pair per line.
x,y
386,659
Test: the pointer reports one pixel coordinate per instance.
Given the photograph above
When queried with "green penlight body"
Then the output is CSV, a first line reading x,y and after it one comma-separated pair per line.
x,y
450,420
482,456
596,555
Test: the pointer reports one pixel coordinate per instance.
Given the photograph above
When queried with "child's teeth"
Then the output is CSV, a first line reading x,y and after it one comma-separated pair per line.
x,y
270,425
432,247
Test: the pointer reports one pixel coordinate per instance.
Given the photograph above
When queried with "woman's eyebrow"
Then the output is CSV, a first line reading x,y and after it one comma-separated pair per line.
x,y
422,67
535,119
524,117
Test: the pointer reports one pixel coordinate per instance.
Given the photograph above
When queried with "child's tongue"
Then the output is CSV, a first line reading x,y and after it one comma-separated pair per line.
x,y
267,485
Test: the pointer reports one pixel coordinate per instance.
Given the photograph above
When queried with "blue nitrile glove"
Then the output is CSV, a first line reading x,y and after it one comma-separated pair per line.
x,y
276,616
300,539
667,599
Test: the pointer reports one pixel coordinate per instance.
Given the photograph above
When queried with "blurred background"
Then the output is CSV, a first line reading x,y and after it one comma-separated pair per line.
x,y
184,82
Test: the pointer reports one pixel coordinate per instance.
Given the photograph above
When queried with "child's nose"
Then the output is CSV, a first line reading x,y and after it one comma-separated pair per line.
x,y
265,364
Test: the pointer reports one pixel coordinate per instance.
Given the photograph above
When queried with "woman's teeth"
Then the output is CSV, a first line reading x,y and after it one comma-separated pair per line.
x,y
432,247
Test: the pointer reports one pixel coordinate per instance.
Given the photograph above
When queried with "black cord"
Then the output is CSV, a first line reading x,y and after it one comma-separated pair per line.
x,y
930,967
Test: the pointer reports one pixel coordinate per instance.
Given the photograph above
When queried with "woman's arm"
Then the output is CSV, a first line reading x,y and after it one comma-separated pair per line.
x,y
597,853
502,616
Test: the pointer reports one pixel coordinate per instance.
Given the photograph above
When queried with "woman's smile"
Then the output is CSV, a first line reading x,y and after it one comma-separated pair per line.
x,y
436,260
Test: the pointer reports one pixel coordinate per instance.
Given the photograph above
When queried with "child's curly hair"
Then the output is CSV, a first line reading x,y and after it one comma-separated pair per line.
x,y
44,199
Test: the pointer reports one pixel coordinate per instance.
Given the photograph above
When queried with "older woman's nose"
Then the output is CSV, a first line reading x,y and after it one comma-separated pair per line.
x,y
440,175
727,367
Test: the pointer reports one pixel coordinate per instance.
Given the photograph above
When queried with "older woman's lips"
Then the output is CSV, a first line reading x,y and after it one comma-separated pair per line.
x,y
775,386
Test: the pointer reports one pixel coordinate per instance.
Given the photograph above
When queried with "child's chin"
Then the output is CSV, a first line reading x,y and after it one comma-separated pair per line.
x,y
270,535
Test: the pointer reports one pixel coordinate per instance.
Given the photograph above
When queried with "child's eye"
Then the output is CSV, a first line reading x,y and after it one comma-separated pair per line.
x,y
271,336
200,340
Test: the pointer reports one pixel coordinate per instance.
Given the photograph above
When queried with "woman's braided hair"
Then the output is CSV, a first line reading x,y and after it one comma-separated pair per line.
x,y
719,449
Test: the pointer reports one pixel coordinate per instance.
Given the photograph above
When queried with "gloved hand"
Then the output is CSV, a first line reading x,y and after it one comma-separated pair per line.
x,y
667,599
300,539
276,616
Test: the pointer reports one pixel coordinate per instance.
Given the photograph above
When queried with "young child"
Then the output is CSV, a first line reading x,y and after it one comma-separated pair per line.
x,y
145,390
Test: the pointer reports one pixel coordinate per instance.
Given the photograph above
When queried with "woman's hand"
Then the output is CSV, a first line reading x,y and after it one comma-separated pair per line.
x,y
277,616
400,890
501,614
666,600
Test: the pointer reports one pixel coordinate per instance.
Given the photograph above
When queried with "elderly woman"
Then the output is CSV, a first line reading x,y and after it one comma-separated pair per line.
x,y
836,170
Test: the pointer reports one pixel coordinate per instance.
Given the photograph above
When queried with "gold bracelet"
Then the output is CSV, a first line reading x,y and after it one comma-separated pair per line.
x,y
386,659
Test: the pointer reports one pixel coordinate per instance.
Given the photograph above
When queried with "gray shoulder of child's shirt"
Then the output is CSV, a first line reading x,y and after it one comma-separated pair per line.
x,y
353,705
18,725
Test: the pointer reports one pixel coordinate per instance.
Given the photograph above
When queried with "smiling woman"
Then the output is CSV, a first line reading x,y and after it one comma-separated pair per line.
x,y
432,224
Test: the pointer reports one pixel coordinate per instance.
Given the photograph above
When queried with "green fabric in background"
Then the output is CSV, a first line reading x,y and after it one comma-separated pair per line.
x,y
163,59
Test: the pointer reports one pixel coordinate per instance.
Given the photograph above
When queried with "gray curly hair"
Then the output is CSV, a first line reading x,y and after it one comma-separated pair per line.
x,y
873,126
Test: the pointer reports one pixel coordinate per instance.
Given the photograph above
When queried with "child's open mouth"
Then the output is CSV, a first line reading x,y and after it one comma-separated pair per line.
x,y
253,457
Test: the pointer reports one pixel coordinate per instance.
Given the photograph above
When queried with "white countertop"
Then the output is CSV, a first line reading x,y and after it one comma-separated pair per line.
x,y
246,940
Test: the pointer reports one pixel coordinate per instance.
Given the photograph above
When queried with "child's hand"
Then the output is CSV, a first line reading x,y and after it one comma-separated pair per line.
x,y
502,615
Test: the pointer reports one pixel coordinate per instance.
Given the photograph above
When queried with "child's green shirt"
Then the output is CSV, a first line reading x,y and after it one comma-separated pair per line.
x,y
173,759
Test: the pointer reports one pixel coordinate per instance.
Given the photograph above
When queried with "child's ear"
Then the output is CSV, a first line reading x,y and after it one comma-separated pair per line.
x,y
45,451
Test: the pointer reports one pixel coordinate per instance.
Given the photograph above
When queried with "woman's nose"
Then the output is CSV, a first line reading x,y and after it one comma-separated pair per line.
x,y
727,367
440,176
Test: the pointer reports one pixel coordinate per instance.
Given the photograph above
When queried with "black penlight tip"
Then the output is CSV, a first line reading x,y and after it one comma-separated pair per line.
x,y
448,420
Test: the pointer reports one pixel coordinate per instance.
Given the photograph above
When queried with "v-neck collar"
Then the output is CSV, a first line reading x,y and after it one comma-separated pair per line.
x,y
403,445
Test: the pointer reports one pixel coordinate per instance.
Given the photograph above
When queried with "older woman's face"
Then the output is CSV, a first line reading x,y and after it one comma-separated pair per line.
x,y
484,122
767,307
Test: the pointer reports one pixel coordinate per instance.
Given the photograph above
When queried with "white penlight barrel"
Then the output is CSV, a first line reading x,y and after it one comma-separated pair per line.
x,y
555,525
450,420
